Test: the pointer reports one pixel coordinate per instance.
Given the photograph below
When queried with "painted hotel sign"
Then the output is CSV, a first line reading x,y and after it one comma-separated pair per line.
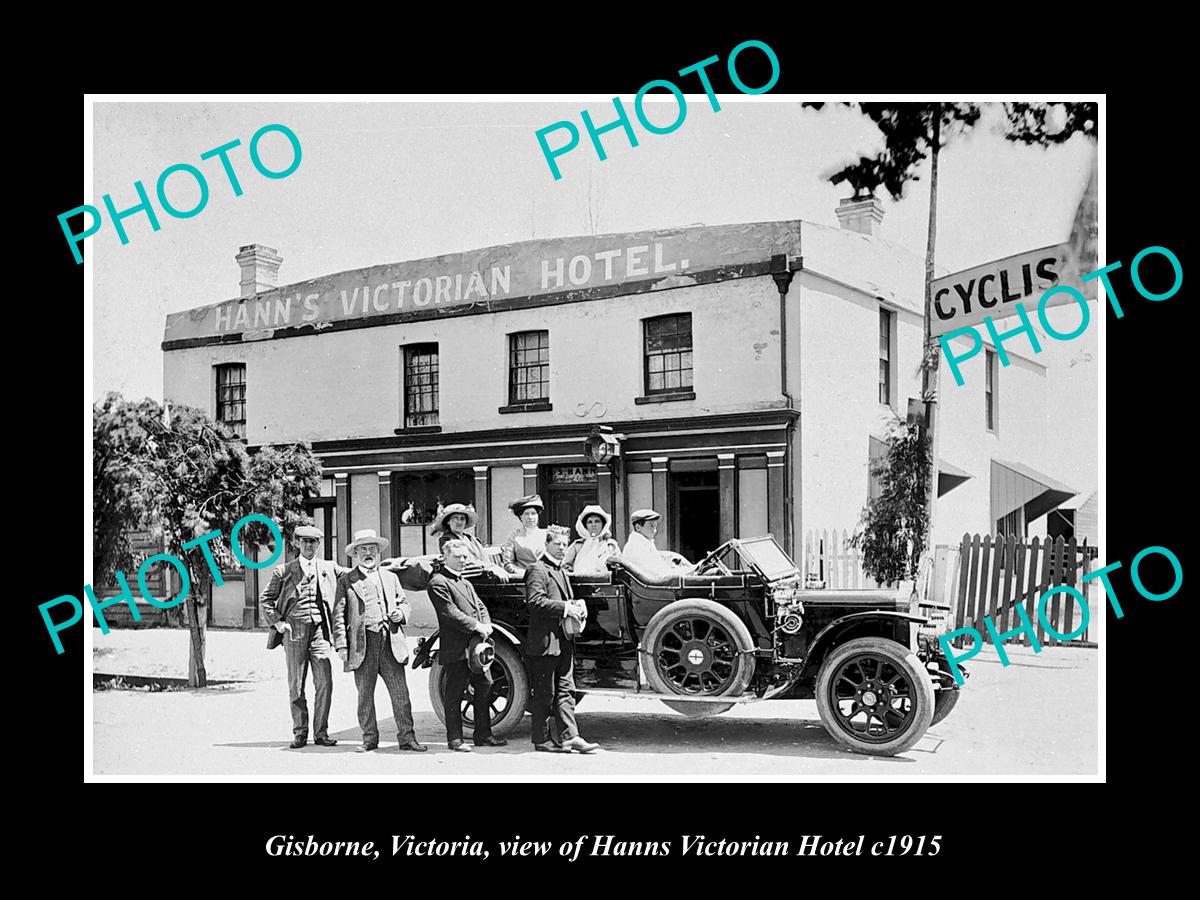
x,y
577,268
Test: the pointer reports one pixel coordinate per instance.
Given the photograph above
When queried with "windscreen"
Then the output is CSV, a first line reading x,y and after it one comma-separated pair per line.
x,y
769,558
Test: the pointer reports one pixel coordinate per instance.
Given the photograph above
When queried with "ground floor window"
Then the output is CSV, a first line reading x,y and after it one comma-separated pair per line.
x,y
418,498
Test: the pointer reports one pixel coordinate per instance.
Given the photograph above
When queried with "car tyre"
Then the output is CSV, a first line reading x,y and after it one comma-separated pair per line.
x,y
510,692
943,703
874,696
700,648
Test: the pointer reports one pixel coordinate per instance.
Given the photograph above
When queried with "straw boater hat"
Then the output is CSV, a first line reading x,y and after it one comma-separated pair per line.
x,y
518,505
592,510
439,524
366,536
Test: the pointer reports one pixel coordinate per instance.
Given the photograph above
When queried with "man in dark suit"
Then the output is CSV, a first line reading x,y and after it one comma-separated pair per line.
x,y
461,614
549,651
298,605
368,612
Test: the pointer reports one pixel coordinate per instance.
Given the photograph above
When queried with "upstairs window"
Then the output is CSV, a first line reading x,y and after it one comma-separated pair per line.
x,y
420,385
231,397
668,354
528,366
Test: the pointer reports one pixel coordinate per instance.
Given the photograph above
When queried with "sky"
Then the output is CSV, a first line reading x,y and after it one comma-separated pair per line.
x,y
388,181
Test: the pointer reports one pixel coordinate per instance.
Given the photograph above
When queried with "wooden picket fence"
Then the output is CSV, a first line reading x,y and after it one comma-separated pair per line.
x,y
996,573
829,557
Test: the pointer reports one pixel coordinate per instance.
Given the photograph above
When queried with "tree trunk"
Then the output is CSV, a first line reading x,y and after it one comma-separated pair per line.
x,y
931,361
197,625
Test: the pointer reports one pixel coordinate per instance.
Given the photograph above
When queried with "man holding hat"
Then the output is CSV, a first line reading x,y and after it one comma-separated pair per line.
x,y
368,612
640,552
463,624
550,648
298,605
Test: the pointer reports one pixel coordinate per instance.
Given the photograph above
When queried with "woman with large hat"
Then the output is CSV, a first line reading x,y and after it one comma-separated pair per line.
x,y
452,523
587,555
525,546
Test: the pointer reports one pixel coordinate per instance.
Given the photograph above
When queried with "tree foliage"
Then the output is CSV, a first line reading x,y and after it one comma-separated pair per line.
x,y
908,133
893,528
1046,124
181,475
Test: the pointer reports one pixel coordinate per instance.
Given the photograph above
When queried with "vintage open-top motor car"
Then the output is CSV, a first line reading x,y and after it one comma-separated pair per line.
x,y
742,628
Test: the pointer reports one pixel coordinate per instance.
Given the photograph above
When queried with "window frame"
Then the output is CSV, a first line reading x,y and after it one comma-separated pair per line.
x,y
237,426
887,364
407,413
991,376
517,369
678,350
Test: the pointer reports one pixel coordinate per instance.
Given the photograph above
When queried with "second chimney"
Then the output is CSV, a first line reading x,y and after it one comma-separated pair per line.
x,y
863,216
260,268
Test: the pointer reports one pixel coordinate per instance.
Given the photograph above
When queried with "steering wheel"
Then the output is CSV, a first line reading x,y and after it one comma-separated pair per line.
x,y
711,562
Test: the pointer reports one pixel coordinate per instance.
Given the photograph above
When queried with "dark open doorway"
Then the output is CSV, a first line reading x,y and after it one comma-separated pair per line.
x,y
697,504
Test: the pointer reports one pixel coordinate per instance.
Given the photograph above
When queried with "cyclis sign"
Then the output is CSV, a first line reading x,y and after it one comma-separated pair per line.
x,y
968,297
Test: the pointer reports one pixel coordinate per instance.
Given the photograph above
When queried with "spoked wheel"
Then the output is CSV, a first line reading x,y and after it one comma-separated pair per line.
x,y
874,696
698,648
510,692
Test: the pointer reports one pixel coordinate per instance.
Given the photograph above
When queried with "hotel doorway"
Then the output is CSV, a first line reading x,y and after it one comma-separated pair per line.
x,y
568,490
696,501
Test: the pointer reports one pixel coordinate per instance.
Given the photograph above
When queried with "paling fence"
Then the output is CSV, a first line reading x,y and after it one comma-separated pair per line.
x,y
829,557
996,573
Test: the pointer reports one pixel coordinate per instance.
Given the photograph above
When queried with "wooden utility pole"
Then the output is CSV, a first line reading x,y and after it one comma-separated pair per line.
x,y
931,363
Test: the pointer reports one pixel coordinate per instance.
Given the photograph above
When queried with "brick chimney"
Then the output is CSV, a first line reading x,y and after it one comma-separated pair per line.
x,y
260,268
863,216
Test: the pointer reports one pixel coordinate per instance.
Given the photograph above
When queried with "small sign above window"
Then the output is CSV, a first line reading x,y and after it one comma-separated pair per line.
x,y
573,475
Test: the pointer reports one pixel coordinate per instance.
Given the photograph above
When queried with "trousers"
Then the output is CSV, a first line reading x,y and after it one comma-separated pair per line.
x,y
379,662
551,688
458,676
305,646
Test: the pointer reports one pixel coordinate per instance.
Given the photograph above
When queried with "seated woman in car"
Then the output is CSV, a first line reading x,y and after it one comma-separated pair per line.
x,y
587,555
452,524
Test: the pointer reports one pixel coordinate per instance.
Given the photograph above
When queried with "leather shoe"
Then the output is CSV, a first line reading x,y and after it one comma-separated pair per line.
x,y
297,743
460,745
366,748
325,742
579,745
491,741
414,745
550,747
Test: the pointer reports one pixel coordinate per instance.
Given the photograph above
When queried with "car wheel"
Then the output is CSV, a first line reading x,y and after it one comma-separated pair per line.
x,y
698,648
874,696
943,703
510,692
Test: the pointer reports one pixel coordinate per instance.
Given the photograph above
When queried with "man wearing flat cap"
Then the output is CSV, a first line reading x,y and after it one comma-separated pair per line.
x,y
368,614
298,605
640,552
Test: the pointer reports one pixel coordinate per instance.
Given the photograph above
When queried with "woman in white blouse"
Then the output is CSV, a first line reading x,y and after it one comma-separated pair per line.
x,y
524,547
587,555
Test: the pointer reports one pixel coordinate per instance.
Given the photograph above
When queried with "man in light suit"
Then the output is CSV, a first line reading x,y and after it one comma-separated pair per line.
x,y
298,605
549,651
369,610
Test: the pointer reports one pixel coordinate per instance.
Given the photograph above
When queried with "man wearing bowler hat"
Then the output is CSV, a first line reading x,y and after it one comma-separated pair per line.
x,y
298,605
368,612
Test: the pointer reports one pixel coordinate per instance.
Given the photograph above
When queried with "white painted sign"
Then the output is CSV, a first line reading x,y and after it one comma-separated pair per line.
x,y
993,289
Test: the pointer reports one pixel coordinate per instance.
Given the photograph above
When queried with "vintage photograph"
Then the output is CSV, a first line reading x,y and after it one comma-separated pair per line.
x,y
741,451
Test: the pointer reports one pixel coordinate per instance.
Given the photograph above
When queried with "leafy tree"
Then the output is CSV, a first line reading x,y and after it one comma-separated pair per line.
x,y
914,131
893,528
176,471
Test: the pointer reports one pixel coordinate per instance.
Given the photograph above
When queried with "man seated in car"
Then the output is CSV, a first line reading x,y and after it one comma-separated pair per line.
x,y
643,557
